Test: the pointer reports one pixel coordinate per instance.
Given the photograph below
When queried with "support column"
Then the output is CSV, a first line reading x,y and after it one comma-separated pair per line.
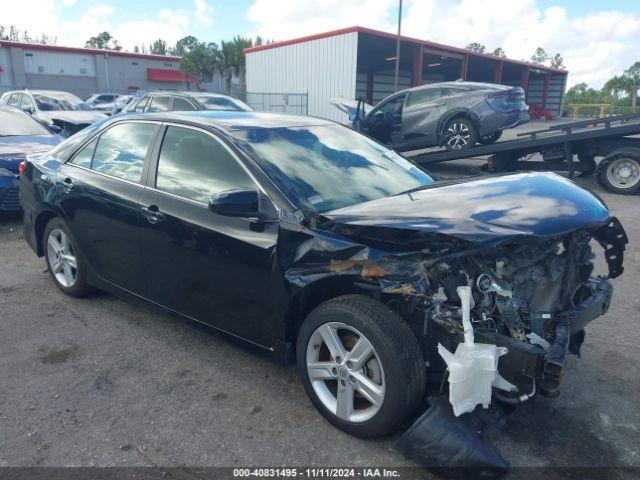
x,y
418,59
463,67
497,72
369,91
525,80
545,91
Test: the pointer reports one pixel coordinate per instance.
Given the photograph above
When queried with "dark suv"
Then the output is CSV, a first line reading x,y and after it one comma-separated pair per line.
x,y
456,115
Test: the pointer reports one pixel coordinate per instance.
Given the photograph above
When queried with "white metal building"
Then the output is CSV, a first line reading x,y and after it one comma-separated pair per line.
x,y
359,62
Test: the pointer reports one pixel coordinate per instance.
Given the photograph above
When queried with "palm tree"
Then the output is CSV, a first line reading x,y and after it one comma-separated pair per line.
x,y
633,83
232,60
614,86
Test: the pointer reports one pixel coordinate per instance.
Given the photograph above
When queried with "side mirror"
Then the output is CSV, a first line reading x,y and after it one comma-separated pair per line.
x,y
26,109
236,203
57,129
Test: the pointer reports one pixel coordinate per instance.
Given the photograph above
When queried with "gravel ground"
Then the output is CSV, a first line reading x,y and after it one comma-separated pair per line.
x,y
103,382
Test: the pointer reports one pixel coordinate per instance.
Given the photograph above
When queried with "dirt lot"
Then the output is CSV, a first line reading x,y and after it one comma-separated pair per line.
x,y
102,382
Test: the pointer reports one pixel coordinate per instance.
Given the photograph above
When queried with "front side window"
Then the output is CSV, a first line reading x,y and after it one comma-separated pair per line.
x,y
194,165
159,104
121,150
27,104
326,167
423,96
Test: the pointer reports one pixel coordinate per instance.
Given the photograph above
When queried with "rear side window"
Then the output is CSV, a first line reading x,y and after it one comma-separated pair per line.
x,y
14,100
141,105
121,150
84,156
159,104
194,165
182,104
423,96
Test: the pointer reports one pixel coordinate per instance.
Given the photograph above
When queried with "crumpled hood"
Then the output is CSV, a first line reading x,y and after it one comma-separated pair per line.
x,y
14,149
481,210
78,117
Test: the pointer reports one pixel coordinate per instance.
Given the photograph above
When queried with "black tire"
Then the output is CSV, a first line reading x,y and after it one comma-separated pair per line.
x,y
468,137
397,349
80,287
604,172
490,139
586,165
501,163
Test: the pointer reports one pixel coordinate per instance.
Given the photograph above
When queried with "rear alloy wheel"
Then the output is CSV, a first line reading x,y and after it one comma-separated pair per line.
x,y
460,134
620,173
64,261
361,366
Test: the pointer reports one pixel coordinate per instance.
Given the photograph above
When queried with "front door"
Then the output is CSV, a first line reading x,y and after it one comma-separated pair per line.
x,y
212,268
384,123
101,187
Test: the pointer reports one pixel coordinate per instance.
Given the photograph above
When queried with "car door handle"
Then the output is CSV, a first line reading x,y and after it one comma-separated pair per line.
x,y
153,214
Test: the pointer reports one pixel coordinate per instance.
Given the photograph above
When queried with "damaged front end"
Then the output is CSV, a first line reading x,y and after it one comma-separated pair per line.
x,y
529,297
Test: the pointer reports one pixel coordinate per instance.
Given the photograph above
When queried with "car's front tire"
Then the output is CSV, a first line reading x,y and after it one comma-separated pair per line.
x,y
460,134
360,365
65,262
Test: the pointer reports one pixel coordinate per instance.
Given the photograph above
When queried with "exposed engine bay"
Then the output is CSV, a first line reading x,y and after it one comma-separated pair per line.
x,y
530,296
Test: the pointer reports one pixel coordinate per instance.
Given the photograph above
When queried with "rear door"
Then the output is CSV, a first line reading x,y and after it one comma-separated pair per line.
x,y
101,186
421,115
212,268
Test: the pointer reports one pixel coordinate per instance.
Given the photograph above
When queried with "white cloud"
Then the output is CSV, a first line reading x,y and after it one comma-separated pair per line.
x,y
282,19
170,25
595,46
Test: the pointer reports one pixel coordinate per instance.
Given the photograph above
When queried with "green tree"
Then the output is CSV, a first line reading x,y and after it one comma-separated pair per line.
x,y
158,47
557,61
632,83
476,47
499,52
103,41
184,45
200,60
615,86
539,56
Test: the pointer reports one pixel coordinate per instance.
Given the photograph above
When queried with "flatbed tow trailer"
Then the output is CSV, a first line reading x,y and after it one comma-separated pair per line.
x,y
570,147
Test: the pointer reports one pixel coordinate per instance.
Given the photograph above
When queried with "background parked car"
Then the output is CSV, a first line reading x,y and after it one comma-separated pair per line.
x,y
165,101
59,111
108,103
456,115
20,135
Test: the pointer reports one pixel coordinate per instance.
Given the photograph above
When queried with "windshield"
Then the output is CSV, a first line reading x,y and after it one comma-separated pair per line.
x,y
59,101
328,167
212,102
18,123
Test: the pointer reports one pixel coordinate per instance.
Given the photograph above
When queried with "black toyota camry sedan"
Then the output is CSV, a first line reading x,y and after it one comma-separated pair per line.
x,y
315,243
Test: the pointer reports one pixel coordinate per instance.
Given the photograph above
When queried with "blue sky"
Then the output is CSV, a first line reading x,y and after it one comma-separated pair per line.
x,y
597,39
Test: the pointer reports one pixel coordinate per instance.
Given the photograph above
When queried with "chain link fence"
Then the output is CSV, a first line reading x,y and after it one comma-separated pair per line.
x,y
296,103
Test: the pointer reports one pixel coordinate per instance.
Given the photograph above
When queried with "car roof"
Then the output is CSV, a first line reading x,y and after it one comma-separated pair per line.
x,y
234,120
460,83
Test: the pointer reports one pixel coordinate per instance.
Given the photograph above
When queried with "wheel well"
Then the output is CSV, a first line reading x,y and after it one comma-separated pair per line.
x,y
319,292
453,116
39,225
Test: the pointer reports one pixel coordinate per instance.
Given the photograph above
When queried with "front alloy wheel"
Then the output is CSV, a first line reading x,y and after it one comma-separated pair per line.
x,y
345,372
361,365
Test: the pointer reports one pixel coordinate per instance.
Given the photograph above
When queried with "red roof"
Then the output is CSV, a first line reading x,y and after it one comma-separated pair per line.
x,y
91,51
163,75
393,36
